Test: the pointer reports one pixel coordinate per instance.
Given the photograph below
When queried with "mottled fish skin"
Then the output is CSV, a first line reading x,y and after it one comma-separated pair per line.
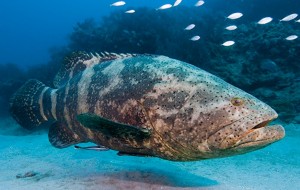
x,y
192,114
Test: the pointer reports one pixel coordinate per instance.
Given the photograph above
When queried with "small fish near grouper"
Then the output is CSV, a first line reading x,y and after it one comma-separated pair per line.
x,y
145,105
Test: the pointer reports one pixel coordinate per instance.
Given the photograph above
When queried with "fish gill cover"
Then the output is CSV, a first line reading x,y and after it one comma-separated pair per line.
x,y
261,61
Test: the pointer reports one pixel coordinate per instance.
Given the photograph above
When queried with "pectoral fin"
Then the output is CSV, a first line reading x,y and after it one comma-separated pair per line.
x,y
111,128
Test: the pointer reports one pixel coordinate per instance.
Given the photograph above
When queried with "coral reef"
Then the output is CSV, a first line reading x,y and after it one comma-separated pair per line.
x,y
261,62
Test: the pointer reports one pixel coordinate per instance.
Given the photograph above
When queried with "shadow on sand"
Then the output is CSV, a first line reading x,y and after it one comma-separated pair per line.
x,y
158,178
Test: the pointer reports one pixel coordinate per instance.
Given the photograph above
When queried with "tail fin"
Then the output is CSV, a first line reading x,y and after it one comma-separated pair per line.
x,y
26,105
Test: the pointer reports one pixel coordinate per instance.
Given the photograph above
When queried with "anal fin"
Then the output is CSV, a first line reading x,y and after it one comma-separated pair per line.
x,y
60,136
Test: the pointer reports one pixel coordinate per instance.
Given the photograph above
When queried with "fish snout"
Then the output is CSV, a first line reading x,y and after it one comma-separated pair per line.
x,y
258,132
247,134
260,137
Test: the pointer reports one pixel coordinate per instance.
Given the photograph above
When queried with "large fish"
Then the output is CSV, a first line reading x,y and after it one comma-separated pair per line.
x,y
146,105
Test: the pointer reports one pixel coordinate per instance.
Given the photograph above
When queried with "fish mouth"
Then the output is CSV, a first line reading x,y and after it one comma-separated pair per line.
x,y
261,125
260,135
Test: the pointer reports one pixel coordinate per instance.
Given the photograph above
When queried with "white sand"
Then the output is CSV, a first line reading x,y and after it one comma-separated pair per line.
x,y
275,167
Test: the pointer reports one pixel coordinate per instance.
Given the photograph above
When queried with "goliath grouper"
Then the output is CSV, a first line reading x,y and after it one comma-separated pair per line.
x,y
146,105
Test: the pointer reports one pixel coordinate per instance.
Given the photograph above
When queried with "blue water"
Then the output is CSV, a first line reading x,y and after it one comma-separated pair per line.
x,y
30,28
36,35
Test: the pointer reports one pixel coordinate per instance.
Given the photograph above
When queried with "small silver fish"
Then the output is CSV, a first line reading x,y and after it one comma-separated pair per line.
x,y
234,16
228,43
177,2
96,148
199,3
231,27
190,27
130,11
166,6
195,38
289,17
265,20
292,37
118,3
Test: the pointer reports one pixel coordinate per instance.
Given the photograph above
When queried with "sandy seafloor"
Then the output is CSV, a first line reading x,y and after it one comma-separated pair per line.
x,y
274,167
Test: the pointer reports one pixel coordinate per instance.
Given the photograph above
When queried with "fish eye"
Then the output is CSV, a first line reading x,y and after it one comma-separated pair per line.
x,y
237,101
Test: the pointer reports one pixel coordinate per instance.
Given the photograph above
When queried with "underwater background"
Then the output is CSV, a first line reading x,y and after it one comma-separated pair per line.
x,y
35,37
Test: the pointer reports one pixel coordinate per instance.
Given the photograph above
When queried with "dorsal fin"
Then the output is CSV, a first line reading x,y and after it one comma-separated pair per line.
x,y
79,61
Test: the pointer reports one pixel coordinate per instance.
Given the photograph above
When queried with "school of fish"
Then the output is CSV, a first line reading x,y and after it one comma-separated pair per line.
x,y
233,16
